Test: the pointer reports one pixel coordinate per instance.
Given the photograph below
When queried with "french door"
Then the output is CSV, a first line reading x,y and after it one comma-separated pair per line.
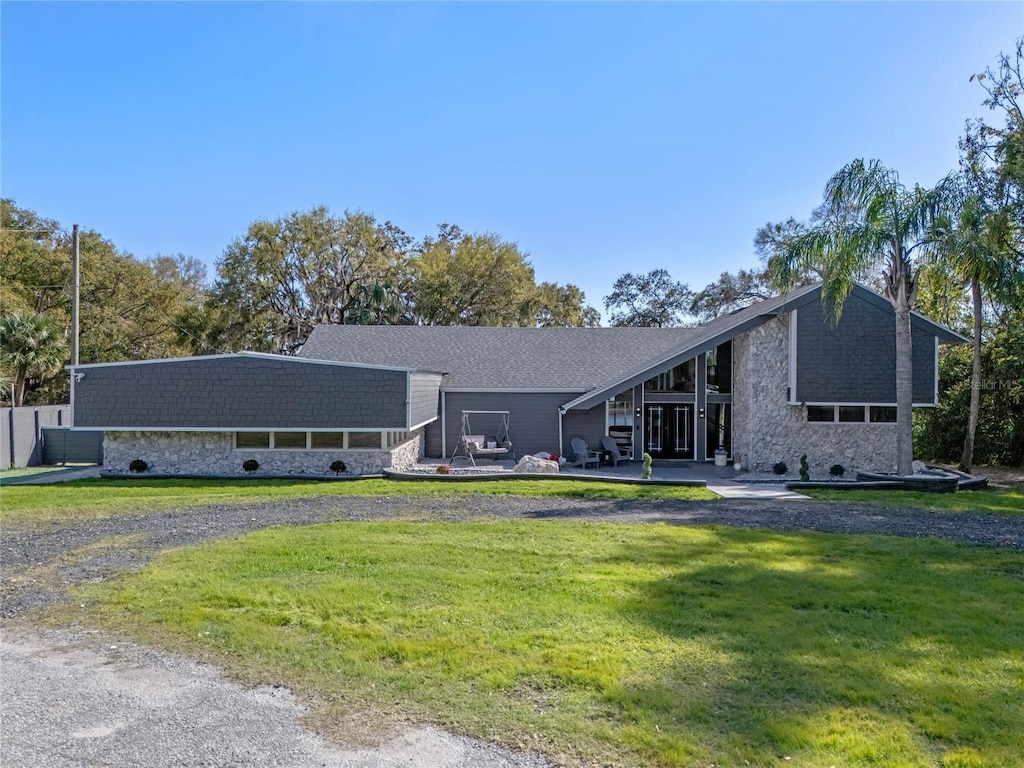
x,y
668,430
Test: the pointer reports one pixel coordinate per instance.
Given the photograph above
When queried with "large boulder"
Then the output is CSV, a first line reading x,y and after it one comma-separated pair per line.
x,y
535,465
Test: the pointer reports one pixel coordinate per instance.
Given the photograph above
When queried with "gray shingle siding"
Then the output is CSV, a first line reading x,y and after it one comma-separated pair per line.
x,y
533,418
240,393
423,397
591,425
855,360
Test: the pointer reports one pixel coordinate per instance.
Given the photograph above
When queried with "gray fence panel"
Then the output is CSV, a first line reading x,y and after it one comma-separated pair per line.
x,y
62,446
20,432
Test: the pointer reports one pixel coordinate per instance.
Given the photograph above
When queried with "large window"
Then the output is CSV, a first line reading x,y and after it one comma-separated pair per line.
x,y
719,368
682,378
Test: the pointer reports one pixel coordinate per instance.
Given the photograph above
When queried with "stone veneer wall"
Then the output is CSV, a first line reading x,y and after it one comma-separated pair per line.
x,y
766,429
213,453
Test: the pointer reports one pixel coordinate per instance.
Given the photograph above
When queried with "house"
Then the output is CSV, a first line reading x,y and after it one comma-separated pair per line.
x,y
766,383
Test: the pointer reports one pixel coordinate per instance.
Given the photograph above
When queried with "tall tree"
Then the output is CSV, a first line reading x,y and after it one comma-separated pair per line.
x,y
874,221
285,276
33,346
982,243
968,241
731,292
653,300
562,306
461,279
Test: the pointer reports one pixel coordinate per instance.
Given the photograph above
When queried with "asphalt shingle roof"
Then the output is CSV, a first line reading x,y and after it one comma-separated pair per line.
x,y
567,359
500,358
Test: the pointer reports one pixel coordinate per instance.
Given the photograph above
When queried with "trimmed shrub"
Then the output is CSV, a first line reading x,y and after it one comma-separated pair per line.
x,y
443,469
837,470
250,465
780,468
805,469
138,465
338,466
645,470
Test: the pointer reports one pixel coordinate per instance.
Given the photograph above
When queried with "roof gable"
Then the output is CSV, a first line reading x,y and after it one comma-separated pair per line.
x,y
595,362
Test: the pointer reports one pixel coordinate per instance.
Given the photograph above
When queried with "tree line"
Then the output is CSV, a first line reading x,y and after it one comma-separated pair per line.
x,y
954,252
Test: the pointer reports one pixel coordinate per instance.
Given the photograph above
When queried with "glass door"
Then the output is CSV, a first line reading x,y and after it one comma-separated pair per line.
x,y
668,430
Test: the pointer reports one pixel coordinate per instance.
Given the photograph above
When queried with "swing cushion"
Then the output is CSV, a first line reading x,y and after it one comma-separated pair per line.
x,y
478,446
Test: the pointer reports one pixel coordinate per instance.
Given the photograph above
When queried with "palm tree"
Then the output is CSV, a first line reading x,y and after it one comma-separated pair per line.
x,y
871,221
33,346
971,241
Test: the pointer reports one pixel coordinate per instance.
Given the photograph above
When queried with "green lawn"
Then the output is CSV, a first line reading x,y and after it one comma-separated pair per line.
x,y
82,500
623,645
1008,502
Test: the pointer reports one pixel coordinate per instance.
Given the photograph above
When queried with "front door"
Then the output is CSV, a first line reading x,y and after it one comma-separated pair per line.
x,y
668,430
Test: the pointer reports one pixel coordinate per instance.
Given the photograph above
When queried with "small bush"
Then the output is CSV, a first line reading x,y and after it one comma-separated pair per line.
x,y
138,465
338,466
805,469
837,470
780,468
443,469
645,470
250,465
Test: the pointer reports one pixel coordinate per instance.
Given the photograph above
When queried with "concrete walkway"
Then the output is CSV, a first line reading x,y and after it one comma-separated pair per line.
x,y
719,480
56,475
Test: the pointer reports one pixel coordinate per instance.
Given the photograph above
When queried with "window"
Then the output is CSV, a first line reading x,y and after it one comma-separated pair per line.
x,y
364,439
719,429
682,378
322,440
290,440
821,413
719,368
252,439
851,413
883,414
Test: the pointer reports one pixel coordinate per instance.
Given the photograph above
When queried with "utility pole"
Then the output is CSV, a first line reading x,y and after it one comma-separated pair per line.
x,y
75,275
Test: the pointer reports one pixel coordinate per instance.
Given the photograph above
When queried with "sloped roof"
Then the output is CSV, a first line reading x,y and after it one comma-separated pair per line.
x,y
564,359
595,362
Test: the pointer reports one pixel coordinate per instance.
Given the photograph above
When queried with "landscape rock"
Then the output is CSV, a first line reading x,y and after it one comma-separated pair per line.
x,y
534,465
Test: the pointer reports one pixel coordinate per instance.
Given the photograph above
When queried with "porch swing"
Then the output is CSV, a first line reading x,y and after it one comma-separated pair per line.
x,y
474,444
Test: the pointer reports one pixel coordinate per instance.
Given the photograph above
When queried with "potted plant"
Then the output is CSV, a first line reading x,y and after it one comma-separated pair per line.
x,y
721,456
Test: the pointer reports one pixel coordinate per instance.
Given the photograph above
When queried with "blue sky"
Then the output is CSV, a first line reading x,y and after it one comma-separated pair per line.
x,y
603,138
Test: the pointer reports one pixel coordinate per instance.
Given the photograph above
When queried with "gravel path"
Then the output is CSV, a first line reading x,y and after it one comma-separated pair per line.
x,y
70,698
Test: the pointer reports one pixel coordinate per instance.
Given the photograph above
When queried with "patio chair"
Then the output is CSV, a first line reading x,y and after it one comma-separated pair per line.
x,y
608,444
583,453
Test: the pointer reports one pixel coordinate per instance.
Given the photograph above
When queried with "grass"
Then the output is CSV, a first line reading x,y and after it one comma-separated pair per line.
x,y
11,474
1006,502
622,645
36,506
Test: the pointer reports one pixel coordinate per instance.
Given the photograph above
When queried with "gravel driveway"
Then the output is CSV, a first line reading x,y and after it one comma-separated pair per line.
x,y
75,698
